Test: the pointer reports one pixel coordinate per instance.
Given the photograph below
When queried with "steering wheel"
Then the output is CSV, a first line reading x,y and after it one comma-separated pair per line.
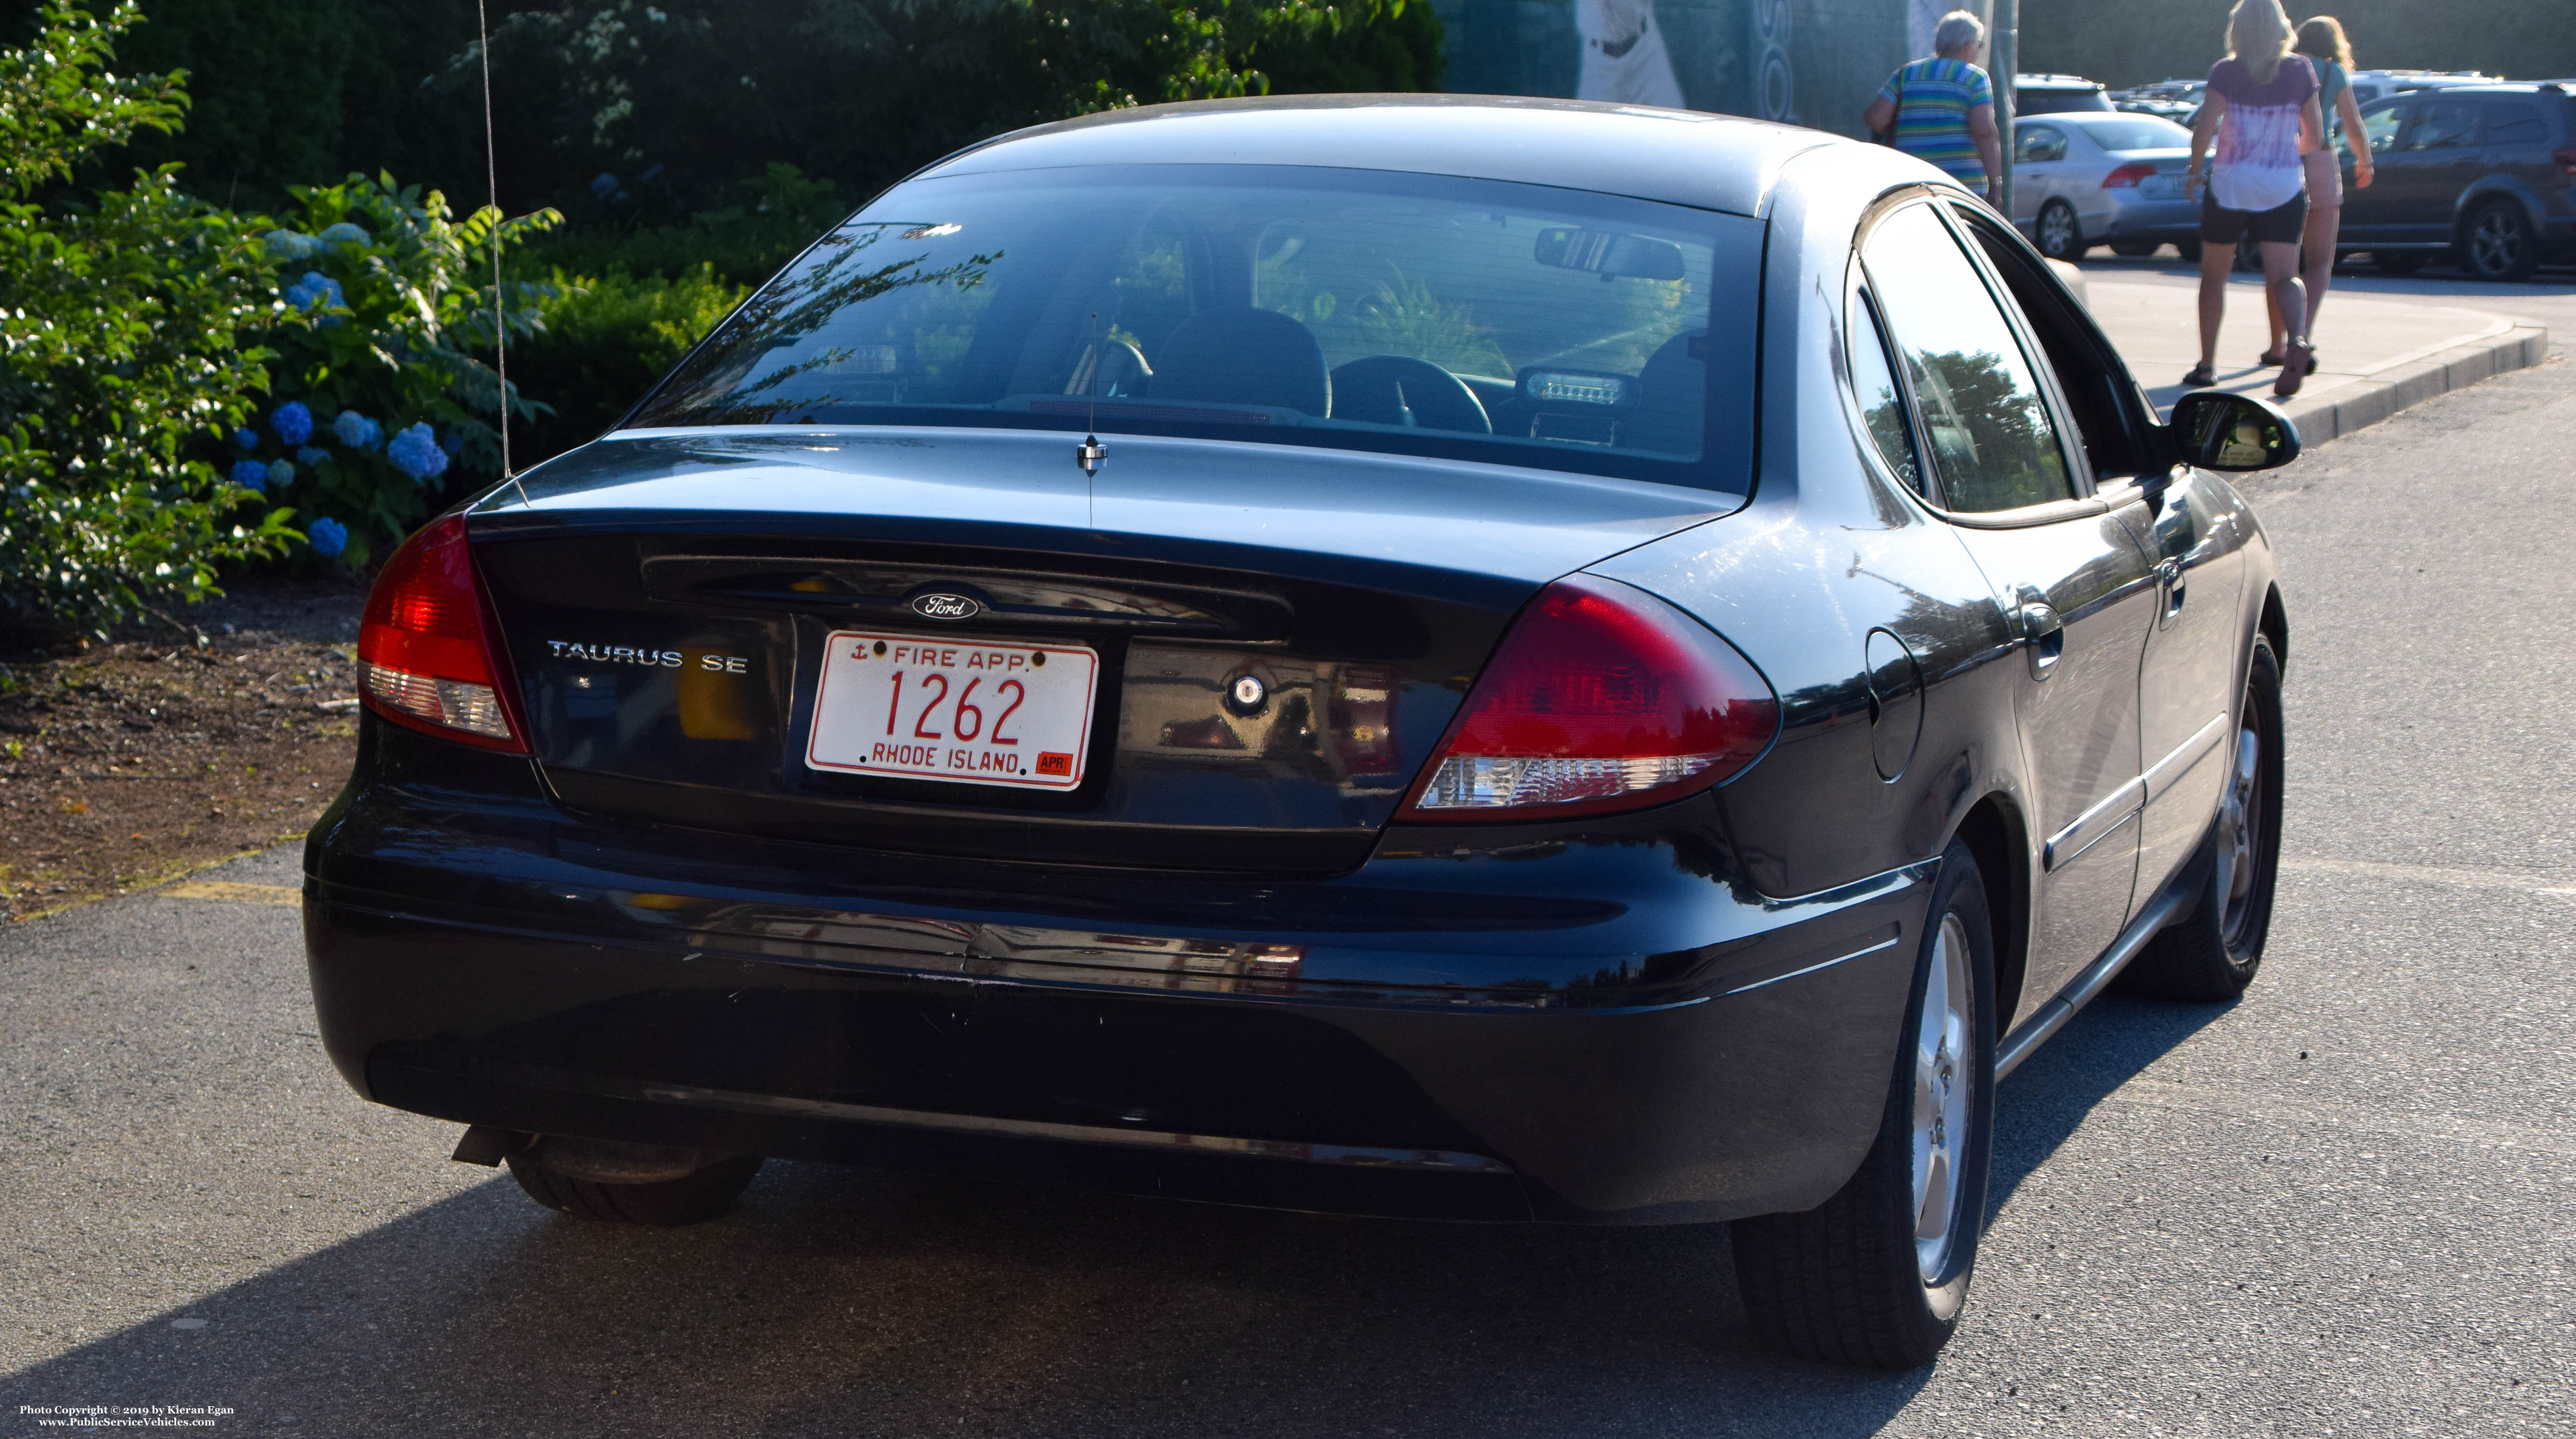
x,y
1381,388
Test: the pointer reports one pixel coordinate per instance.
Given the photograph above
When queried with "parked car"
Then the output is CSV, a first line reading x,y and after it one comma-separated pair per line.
x,y
1483,659
2369,85
2175,100
2056,94
2483,175
2084,179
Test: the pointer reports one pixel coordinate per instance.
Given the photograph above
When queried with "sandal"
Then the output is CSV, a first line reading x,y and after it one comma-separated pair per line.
x,y
2201,375
2269,359
2294,370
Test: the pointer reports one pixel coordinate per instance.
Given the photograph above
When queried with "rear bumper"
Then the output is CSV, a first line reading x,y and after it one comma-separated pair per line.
x,y
1475,1033
2140,219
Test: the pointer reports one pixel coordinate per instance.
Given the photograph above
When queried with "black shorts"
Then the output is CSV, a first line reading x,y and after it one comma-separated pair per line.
x,y
2283,224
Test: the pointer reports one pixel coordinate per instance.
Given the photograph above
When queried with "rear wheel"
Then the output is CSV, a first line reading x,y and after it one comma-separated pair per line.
x,y
2497,243
2188,249
2133,248
630,1183
2397,262
2211,955
2059,235
1877,1274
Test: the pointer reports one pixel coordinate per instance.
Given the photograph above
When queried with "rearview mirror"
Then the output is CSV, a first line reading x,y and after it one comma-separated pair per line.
x,y
1610,255
2222,430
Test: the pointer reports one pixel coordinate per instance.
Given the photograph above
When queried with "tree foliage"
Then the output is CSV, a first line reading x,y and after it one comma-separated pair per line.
x,y
119,362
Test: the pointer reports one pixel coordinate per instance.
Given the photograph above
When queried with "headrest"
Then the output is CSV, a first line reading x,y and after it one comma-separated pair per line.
x,y
1239,355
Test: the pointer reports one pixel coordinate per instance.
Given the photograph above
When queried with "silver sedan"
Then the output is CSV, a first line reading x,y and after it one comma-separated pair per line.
x,y
2081,180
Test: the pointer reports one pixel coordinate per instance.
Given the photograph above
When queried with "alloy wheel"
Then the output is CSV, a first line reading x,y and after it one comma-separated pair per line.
x,y
2495,243
2240,837
1942,1078
2056,232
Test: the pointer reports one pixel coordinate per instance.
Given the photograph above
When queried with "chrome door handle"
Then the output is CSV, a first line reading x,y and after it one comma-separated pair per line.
x,y
2169,581
2045,634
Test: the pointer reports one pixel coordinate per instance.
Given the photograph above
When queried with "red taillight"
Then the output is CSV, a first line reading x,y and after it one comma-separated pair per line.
x,y
2565,155
1601,697
2128,175
425,655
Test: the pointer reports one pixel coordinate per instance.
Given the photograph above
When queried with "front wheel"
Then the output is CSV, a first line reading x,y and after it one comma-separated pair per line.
x,y
2210,955
2059,235
1876,1275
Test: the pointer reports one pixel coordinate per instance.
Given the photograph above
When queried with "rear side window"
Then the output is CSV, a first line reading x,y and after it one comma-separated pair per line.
x,y
2515,122
2442,124
1994,444
1352,309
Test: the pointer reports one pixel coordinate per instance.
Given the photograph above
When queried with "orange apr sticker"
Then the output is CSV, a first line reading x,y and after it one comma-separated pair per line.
x,y
1055,762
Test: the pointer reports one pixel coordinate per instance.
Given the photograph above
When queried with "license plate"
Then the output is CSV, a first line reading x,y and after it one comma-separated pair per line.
x,y
963,713
2160,185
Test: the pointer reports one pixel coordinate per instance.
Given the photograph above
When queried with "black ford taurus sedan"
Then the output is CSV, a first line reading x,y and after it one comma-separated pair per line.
x,y
1479,659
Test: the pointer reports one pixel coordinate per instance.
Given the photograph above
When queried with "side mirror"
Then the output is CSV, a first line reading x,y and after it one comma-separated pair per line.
x,y
2223,430
1610,255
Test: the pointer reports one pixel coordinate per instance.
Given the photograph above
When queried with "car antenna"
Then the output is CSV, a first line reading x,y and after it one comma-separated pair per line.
x,y
500,317
1091,453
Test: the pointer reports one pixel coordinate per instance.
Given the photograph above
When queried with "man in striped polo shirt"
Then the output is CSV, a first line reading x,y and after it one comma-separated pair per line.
x,y
1942,110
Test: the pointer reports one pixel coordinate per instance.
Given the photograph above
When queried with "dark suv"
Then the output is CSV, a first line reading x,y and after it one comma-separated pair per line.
x,y
2485,174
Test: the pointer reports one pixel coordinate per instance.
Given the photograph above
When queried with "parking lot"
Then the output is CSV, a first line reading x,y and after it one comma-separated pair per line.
x,y
2342,1205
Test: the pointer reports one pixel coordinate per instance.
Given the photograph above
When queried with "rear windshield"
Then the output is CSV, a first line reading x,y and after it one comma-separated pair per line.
x,y
2147,134
1309,306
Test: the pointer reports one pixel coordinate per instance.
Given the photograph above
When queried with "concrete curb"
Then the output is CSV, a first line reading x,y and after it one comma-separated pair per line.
x,y
2381,393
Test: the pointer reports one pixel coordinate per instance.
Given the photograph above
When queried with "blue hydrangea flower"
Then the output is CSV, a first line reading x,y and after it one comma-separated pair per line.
x,y
345,233
603,187
327,536
357,431
312,454
247,438
293,422
281,472
415,452
288,245
250,474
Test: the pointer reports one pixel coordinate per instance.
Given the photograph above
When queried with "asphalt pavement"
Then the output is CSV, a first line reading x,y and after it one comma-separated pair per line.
x,y
2339,1206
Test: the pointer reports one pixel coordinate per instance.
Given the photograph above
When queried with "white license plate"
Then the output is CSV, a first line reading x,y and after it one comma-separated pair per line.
x,y
953,710
2160,185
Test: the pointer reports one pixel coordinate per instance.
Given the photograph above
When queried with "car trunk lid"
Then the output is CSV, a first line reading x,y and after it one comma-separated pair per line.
x,y
670,603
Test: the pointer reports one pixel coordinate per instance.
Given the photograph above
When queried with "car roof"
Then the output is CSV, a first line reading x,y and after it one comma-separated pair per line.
x,y
1681,157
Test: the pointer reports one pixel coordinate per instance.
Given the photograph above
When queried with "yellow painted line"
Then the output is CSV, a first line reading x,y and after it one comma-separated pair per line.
x,y
235,892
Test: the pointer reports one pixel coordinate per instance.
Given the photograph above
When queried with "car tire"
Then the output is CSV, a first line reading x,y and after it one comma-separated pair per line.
x,y
2132,249
2189,250
2058,232
2497,243
571,1184
2210,955
2397,262
1853,1280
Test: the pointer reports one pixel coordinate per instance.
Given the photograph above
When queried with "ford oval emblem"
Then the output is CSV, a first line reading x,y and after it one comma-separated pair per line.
x,y
945,605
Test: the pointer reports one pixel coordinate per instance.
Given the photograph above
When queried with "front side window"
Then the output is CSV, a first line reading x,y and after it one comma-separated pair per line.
x,y
1994,445
2039,144
1353,309
2381,126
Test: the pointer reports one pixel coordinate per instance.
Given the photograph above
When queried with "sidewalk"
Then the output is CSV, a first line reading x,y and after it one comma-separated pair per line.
x,y
2379,355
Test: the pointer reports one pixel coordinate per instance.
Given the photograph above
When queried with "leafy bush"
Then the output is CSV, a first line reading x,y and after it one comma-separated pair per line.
x,y
605,342
381,329
119,366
